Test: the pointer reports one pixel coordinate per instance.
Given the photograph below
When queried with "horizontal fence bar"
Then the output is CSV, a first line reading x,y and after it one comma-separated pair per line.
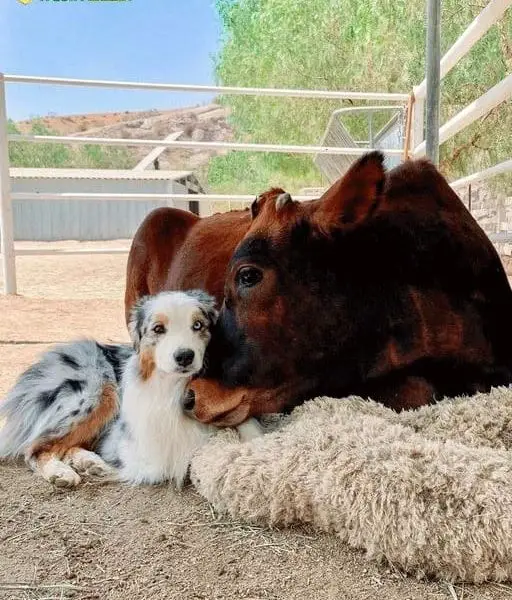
x,y
141,197
216,89
498,94
67,251
490,15
291,149
499,169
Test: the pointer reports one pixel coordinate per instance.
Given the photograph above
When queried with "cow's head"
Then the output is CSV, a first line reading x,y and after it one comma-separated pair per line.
x,y
282,314
322,296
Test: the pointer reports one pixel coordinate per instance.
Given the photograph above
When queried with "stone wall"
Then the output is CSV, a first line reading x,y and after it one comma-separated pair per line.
x,y
493,212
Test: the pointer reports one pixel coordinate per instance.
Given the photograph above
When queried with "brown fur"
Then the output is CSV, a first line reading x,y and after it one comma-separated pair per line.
x,y
84,433
146,363
153,249
384,287
174,250
161,318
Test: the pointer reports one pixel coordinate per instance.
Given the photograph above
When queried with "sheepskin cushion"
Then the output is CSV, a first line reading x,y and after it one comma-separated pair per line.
x,y
429,491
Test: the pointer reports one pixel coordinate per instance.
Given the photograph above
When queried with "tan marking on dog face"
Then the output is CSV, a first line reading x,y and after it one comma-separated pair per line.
x,y
146,363
161,318
84,432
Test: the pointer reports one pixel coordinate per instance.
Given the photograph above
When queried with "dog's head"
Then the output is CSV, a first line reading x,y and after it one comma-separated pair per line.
x,y
170,332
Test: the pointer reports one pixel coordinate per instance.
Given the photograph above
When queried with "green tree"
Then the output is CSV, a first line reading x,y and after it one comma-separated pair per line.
x,y
376,45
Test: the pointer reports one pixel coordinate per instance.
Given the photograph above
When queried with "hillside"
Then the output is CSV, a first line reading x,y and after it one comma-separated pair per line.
x,y
201,123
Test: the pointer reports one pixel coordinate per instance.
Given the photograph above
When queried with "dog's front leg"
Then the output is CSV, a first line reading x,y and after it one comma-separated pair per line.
x,y
249,430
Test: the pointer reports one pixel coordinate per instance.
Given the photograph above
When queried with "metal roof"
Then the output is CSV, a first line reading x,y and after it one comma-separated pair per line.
x,y
119,174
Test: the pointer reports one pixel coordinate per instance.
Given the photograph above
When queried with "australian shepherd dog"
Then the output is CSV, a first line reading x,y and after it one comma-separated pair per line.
x,y
116,410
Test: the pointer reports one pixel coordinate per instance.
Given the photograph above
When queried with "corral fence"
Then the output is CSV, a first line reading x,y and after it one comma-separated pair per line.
x,y
414,139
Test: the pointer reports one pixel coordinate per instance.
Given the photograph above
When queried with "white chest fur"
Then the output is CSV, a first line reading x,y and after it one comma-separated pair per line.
x,y
159,440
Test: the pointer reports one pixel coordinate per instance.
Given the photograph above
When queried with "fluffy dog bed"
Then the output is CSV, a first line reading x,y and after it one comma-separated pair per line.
x,y
429,491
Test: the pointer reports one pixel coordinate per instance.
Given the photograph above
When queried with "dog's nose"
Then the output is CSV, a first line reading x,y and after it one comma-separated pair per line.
x,y
184,357
189,401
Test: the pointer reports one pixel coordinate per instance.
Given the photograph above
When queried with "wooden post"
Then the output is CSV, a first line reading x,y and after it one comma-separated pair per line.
x,y
433,79
6,219
408,127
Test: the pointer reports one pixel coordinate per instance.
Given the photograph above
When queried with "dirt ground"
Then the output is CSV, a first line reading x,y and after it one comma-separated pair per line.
x,y
115,542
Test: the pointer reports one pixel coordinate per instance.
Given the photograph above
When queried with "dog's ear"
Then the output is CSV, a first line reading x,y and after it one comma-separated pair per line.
x,y
136,322
207,304
213,314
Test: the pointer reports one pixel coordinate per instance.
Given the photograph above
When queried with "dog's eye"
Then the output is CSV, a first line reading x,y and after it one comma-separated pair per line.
x,y
197,325
158,329
248,277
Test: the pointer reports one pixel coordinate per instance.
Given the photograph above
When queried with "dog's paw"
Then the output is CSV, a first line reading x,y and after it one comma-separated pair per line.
x,y
59,474
249,430
88,463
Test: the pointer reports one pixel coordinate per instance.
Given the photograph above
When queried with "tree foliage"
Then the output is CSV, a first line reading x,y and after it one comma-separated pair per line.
x,y
371,45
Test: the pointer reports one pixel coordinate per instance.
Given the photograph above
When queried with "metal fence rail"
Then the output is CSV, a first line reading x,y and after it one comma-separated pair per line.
x,y
240,91
282,148
492,98
489,16
141,197
6,231
501,92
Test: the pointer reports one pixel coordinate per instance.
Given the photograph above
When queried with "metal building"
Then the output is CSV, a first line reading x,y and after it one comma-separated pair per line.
x,y
52,220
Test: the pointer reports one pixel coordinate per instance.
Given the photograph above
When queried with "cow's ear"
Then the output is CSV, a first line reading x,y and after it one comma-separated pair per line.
x,y
355,196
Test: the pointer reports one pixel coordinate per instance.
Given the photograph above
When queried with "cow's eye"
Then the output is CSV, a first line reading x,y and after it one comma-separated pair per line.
x,y
248,277
158,329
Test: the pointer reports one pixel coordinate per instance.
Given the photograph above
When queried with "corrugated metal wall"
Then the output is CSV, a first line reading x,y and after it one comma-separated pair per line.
x,y
85,219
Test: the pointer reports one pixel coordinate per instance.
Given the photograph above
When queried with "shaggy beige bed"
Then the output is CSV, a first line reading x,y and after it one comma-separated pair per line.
x,y
429,491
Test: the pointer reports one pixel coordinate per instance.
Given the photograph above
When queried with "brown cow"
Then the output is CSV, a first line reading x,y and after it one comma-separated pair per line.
x,y
386,287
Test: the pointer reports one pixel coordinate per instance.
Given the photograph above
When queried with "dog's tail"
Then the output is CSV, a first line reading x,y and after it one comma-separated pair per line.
x,y
56,393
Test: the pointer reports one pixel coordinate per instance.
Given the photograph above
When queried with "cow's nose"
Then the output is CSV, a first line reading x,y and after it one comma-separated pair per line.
x,y
184,357
189,401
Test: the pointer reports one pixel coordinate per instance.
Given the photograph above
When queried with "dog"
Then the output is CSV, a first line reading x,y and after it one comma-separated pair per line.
x,y
117,410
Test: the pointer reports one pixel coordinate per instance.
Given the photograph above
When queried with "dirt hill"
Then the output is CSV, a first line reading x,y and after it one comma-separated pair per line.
x,y
201,123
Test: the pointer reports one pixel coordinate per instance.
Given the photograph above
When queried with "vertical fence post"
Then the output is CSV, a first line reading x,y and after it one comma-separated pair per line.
x,y
433,79
418,122
6,219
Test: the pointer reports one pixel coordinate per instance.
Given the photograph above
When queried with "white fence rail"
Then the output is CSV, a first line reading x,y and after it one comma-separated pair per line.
x,y
6,220
490,15
240,91
500,169
492,98
188,145
501,92
498,94
141,197
8,250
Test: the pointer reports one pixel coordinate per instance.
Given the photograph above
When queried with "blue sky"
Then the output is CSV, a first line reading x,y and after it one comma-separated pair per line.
x,y
168,41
